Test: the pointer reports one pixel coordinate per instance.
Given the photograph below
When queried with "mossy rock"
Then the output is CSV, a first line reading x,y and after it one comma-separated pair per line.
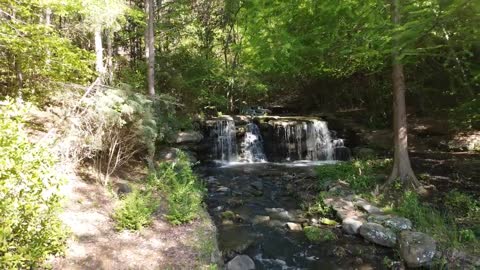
x,y
317,234
228,215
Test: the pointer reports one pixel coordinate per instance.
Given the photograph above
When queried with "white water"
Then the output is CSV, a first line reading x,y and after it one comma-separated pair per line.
x,y
300,141
308,140
251,148
225,146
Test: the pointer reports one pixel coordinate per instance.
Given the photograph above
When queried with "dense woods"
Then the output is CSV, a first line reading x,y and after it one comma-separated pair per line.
x,y
122,78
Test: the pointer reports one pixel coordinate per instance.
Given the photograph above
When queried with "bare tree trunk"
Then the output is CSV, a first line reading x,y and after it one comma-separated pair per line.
x,y
150,46
48,19
402,169
99,52
109,56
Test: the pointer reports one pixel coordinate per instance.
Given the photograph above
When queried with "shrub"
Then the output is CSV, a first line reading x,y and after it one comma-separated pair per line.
x,y
135,211
359,174
111,126
462,205
316,234
29,200
319,207
183,190
430,220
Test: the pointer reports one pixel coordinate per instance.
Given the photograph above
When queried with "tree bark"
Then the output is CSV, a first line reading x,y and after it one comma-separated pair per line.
x,y
99,52
150,46
402,169
109,56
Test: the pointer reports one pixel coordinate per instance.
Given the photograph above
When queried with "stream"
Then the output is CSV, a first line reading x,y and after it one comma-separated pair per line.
x,y
258,202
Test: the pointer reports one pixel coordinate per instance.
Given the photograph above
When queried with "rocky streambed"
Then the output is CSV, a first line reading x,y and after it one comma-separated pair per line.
x,y
261,222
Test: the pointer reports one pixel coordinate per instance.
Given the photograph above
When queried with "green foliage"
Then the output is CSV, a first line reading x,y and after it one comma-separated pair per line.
x,y
316,234
135,210
461,204
110,127
359,174
183,190
30,230
467,115
319,208
431,221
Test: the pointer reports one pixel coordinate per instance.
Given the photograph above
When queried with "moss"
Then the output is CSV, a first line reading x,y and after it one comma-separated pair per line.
x,y
228,215
316,234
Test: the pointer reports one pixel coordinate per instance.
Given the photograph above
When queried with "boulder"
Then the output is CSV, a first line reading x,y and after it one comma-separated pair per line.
x,y
416,249
351,225
168,154
260,219
393,222
342,153
279,214
241,262
188,137
122,189
294,226
378,234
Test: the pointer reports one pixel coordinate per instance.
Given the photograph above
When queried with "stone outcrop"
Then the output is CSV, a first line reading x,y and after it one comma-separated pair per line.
x,y
378,234
416,249
241,262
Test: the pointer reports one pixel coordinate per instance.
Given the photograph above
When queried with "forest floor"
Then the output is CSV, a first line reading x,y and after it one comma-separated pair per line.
x,y
96,244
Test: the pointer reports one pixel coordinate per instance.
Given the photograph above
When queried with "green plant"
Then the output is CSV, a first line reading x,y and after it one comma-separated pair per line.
x,y
467,235
319,207
429,220
183,190
316,234
135,210
30,230
359,174
461,205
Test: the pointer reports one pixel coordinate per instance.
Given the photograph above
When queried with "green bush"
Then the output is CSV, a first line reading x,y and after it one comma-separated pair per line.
x,y
467,115
29,200
183,190
135,211
462,205
430,220
359,174
319,207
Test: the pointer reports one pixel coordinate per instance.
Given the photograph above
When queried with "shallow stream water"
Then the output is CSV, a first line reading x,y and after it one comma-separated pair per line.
x,y
258,196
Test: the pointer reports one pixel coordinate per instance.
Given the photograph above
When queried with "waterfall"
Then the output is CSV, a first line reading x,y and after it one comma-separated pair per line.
x,y
225,145
302,140
252,145
319,141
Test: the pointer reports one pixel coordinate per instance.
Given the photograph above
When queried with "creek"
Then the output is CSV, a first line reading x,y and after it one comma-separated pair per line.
x,y
252,195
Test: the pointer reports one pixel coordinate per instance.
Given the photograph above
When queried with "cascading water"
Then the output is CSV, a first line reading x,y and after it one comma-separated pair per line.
x,y
252,145
300,140
319,141
225,145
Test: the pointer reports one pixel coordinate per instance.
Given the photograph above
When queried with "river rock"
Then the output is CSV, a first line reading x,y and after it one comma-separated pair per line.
x,y
223,189
378,234
351,225
294,226
393,222
416,249
241,262
188,137
279,213
260,219
258,185
368,207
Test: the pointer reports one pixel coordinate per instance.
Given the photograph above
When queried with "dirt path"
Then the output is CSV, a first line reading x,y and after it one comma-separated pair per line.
x,y
97,245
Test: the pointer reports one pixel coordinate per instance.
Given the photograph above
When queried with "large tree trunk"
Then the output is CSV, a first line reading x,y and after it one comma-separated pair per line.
x,y
402,169
99,51
150,47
